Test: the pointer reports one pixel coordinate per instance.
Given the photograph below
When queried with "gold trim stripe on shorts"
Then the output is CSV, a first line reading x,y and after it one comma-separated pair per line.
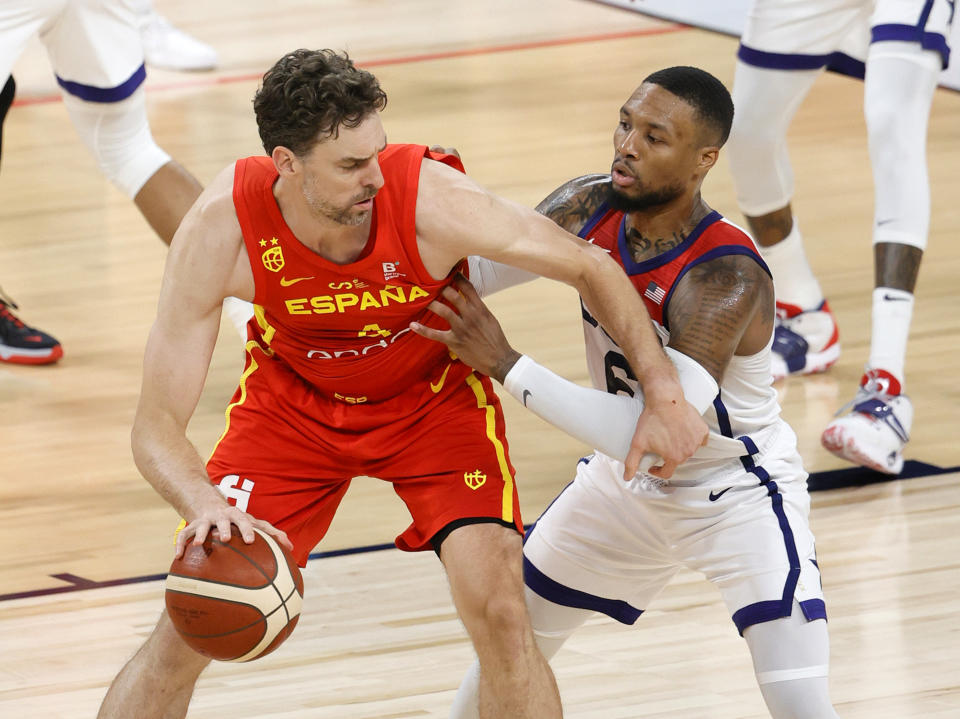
x,y
491,416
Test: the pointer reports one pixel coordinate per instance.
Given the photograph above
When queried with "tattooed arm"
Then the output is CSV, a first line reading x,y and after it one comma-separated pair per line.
x,y
574,202
721,308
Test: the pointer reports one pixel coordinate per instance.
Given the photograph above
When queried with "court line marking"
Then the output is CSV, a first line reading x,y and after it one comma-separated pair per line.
x,y
399,60
818,481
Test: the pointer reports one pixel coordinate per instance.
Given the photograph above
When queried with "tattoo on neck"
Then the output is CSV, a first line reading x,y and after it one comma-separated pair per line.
x,y
645,247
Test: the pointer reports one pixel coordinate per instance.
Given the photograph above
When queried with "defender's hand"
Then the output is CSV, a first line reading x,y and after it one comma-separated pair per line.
x,y
475,335
669,427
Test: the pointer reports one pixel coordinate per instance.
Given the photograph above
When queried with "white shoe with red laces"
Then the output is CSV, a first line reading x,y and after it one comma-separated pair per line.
x,y
804,341
877,427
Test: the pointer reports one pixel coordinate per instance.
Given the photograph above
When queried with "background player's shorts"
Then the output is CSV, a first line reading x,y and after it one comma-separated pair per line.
x,y
611,546
288,454
811,34
93,45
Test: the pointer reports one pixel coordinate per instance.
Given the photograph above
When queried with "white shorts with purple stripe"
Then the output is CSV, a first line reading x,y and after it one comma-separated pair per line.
x,y
611,546
811,34
94,45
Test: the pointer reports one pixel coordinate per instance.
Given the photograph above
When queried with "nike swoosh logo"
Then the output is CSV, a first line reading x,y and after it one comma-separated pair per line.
x,y
885,222
438,385
891,298
526,393
284,282
714,496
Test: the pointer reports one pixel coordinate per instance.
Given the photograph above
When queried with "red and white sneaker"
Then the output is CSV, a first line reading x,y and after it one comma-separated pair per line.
x,y
21,344
804,341
877,427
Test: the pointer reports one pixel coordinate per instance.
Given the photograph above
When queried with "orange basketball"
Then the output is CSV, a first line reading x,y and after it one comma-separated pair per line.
x,y
233,601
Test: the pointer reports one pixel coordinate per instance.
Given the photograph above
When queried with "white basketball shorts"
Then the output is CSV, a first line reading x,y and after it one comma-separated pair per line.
x,y
94,45
811,34
611,546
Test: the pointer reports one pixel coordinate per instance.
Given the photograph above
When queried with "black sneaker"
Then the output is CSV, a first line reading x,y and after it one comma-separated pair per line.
x,y
21,344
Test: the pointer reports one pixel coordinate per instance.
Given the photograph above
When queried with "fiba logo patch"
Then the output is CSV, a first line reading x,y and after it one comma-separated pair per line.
x,y
475,479
391,270
272,257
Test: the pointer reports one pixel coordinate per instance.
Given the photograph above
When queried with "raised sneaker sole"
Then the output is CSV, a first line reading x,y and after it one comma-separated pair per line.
x,y
16,355
839,442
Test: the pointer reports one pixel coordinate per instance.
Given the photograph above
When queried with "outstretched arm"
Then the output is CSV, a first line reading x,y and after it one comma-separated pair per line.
x,y
456,217
205,264
602,420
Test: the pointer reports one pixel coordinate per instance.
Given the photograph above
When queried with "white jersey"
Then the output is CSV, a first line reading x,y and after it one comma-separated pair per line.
x,y
737,511
745,416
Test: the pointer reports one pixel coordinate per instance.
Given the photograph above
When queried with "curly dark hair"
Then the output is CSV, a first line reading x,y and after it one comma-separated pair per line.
x,y
308,94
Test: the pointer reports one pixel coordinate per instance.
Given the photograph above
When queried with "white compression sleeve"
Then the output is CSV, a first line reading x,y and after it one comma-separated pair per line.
x,y
791,658
602,420
488,276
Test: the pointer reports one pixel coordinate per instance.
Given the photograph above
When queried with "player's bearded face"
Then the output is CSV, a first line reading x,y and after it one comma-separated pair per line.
x,y
643,196
652,151
341,174
343,212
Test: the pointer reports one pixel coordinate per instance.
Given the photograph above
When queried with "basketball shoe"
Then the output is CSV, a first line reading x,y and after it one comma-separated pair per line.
x,y
804,341
877,427
21,344
167,47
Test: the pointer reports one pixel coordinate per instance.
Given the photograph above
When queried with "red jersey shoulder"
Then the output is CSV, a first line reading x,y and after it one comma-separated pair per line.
x,y
723,232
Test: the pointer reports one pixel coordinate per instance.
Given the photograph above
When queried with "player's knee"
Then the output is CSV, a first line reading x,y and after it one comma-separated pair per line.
x,y
504,616
118,136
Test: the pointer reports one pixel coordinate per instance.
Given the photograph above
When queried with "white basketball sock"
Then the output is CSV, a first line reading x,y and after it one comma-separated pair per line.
x,y
793,279
892,312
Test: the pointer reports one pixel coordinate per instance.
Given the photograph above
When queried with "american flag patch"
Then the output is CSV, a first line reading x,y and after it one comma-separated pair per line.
x,y
655,293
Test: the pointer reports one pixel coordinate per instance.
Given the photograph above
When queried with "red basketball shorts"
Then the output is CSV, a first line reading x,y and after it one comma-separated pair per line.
x,y
288,453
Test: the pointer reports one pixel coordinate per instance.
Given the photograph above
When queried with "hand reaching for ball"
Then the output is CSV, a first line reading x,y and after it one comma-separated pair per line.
x,y
219,517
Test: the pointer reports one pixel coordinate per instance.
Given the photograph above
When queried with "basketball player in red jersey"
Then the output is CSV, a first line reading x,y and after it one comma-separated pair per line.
x,y
342,241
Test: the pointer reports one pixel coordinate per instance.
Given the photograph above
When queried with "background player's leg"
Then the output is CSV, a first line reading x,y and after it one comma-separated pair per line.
x,y
766,101
6,100
158,681
552,625
791,657
165,198
900,82
483,563
20,342
119,138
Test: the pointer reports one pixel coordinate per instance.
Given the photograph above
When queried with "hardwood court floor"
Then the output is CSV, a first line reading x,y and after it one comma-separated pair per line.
x,y
528,91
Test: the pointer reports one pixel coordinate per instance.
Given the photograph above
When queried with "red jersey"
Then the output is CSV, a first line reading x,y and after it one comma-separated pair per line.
x,y
656,277
344,328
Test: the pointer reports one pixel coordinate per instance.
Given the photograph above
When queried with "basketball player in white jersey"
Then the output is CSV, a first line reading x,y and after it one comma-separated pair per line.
x,y
785,46
737,510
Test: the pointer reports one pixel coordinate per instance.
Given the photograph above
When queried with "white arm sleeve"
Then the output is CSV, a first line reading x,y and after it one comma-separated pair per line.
x,y
488,276
602,420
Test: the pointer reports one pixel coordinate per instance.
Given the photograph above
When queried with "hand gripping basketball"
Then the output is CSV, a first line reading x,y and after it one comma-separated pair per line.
x,y
234,601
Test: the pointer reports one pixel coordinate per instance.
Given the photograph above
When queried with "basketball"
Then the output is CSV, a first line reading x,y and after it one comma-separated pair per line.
x,y
232,601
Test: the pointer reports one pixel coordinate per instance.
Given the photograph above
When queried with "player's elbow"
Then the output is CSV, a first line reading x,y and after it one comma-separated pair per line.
x,y
594,268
